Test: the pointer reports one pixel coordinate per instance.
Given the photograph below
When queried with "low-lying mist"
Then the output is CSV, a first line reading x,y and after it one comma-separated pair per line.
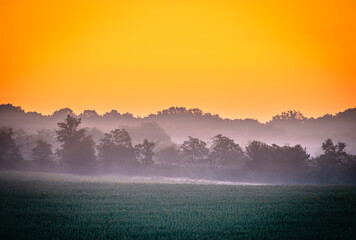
x,y
141,149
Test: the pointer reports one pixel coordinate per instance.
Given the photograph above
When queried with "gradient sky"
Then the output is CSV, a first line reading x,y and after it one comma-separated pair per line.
x,y
235,58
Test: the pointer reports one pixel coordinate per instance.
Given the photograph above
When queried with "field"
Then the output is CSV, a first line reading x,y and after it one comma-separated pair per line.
x,y
38,206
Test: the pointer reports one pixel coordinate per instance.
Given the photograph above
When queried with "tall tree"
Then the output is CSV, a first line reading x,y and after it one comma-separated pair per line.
x,y
77,150
10,156
25,142
144,152
225,152
334,157
328,147
259,154
294,158
169,155
115,150
42,154
194,151
274,158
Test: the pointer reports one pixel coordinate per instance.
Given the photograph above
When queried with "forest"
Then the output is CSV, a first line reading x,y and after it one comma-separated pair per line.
x,y
219,159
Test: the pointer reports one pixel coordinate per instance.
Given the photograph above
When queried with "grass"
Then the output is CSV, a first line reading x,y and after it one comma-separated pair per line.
x,y
46,207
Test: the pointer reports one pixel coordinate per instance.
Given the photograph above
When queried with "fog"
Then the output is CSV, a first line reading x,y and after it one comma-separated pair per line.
x,y
182,145
62,177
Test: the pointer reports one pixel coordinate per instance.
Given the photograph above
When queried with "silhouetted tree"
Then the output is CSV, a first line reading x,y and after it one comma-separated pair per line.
x,y
48,136
294,158
115,150
289,116
194,151
42,154
144,152
328,147
275,162
334,156
289,162
334,163
77,148
169,155
351,172
25,142
259,155
10,156
225,152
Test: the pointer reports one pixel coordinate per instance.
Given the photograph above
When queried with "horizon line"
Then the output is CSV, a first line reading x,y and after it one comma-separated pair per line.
x,y
158,111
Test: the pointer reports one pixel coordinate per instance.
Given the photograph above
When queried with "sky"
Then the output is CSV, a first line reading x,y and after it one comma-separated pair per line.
x,y
239,59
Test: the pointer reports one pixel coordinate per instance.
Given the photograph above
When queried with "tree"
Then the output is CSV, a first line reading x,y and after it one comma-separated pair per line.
x,y
283,161
77,149
289,116
194,151
115,150
334,163
169,155
25,143
225,152
144,152
334,156
294,158
340,148
42,154
10,156
328,147
259,154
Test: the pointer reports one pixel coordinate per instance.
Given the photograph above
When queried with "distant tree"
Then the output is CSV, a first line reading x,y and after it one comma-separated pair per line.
x,y
115,150
168,155
340,148
290,116
277,162
334,163
334,156
25,143
10,156
77,149
225,152
144,152
42,154
289,163
328,147
259,155
294,158
194,151
48,136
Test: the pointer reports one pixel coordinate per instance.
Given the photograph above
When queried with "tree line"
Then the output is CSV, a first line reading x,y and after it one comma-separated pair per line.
x,y
224,159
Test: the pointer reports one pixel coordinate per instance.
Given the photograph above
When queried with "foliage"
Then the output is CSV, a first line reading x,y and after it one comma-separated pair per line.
x,y
259,154
168,155
290,116
286,162
116,150
194,151
144,152
225,152
334,163
25,142
77,150
42,154
10,156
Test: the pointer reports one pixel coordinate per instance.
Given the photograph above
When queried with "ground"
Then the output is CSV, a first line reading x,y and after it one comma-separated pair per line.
x,y
40,206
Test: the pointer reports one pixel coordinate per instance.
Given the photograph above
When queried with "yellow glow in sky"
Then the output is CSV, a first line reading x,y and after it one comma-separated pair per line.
x,y
235,58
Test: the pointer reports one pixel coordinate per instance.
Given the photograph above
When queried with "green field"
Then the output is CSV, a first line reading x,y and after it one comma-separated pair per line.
x,y
35,206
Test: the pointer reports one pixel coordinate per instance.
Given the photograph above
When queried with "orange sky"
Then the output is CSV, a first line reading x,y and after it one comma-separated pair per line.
x,y
235,58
